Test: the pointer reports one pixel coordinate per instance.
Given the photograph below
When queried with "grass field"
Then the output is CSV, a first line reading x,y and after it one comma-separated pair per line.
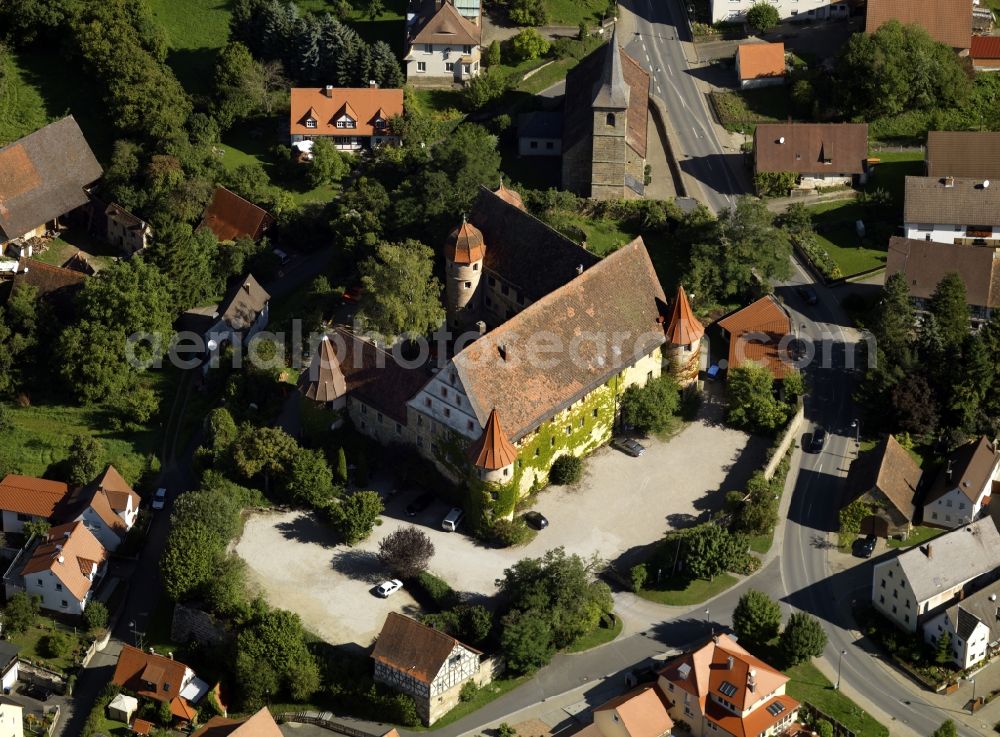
x,y
741,110
22,108
808,684
834,223
600,636
571,12
195,29
677,591
917,536
32,644
389,25
890,174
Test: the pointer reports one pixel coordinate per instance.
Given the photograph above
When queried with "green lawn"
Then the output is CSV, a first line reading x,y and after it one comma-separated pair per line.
x,y
834,223
571,12
32,642
889,174
741,110
762,543
58,250
677,591
808,684
389,25
917,536
195,29
22,108
600,636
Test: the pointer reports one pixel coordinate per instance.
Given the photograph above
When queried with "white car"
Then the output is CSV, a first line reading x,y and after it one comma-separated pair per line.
x,y
159,499
388,588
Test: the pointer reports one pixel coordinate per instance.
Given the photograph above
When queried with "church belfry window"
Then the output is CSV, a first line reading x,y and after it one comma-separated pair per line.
x,y
611,120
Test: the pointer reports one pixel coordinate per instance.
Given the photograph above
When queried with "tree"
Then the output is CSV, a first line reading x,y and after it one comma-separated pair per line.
x,y
824,728
951,312
752,403
484,88
310,478
947,729
406,551
341,465
225,592
894,324
188,258
793,386
651,407
95,616
566,470
328,165
86,459
275,637
493,54
942,652
762,17
708,550
526,640
355,516
21,612
529,44
56,645
757,618
402,294
262,450
915,407
774,183
373,9
37,527
527,12
802,639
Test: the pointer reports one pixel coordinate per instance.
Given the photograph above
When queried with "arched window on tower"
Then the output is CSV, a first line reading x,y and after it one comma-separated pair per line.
x,y
611,119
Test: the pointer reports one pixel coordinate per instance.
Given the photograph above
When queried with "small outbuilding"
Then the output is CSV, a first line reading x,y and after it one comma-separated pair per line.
x,y
760,65
539,133
122,708
886,478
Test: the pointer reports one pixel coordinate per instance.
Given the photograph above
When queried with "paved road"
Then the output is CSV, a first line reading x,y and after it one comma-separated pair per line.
x,y
650,31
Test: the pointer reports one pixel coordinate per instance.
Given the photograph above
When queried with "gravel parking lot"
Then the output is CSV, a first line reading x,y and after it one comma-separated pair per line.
x,y
622,505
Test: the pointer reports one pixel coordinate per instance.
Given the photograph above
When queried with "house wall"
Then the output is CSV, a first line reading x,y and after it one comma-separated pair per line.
x,y
10,677
954,509
105,534
684,707
964,653
893,597
441,695
11,720
349,141
747,84
435,59
539,146
986,65
54,595
834,179
130,240
14,522
947,233
735,10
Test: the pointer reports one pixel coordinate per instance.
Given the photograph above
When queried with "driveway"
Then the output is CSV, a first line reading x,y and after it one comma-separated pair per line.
x,y
622,505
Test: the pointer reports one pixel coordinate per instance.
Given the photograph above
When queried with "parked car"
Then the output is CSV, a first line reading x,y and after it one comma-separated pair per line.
x,y
627,445
159,499
388,588
868,546
419,504
452,519
36,692
536,520
808,295
818,440
283,258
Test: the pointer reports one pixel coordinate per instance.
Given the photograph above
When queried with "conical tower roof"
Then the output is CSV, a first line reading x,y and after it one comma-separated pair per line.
x,y
324,381
684,327
493,450
509,195
465,244
610,90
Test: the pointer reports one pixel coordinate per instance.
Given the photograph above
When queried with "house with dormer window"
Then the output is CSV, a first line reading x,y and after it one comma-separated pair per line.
x,y
162,679
353,118
62,569
441,43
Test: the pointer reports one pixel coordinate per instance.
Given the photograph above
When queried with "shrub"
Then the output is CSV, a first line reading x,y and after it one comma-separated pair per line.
x,y
639,574
508,533
443,595
469,691
505,730
820,258
493,54
527,13
406,551
566,469
651,407
762,17
485,88
774,183
824,728
56,645
529,44
95,616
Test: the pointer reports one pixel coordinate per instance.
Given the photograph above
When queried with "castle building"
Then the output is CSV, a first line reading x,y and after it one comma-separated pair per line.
x,y
684,334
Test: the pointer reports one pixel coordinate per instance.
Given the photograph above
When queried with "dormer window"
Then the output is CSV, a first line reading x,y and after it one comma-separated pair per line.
x,y
345,122
310,123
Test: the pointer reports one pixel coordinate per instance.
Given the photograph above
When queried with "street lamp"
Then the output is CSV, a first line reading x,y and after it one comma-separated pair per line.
x,y
840,661
135,640
708,620
972,704
857,431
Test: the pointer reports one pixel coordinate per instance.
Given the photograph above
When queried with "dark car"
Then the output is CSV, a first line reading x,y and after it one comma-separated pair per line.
x,y
868,546
36,692
808,295
536,520
419,504
627,445
818,440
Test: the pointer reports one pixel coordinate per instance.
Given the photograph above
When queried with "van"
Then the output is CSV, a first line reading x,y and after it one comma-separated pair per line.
x,y
451,520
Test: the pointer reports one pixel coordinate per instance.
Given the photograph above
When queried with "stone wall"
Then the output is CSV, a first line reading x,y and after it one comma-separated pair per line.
x,y
190,623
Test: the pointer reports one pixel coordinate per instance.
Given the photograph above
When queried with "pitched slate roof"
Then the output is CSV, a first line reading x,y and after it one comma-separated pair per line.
x,y
978,607
324,381
642,712
524,251
891,470
70,551
108,495
406,645
947,21
619,297
43,176
958,200
31,496
230,216
964,153
761,61
971,466
951,559
138,670
610,90
243,303
683,328
261,724
492,451
444,25
925,263
464,244
755,335
805,148
363,104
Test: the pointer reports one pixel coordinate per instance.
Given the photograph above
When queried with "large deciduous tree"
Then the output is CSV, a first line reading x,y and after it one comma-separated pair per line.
x,y
86,459
757,618
752,403
651,407
802,639
402,294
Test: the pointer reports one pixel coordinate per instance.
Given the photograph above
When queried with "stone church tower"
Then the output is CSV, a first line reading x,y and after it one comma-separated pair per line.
x,y
463,258
610,123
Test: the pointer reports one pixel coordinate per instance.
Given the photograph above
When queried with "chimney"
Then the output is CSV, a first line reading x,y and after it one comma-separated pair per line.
x,y
481,328
372,84
502,350
328,90
949,182
579,268
729,662
752,680
246,287
171,655
62,559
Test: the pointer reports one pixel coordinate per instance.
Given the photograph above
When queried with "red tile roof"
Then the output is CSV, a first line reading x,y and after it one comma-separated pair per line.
x,y
642,711
493,450
683,328
230,216
261,724
760,61
406,645
755,334
811,148
508,195
149,675
46,278
364,105
35,497
444,25
947,21
70,551
985,47
465,244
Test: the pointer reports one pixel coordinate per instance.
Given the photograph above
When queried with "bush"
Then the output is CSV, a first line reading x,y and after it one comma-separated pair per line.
x,y
95,616
820,258
508,533
484,89
469,691
651,407
762,17
566,469
774,183
529,44
639,574
406,551
56,645
443,595
505,730
527,12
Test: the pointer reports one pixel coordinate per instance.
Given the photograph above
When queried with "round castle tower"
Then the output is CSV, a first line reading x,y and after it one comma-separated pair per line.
x,y
682,353
493,455
463,257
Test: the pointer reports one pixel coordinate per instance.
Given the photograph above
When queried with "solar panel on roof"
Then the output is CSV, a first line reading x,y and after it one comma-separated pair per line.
x,y
728,689
776,708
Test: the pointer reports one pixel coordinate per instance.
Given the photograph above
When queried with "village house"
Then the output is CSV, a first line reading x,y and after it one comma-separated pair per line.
x,y
962,488
8,665
107,506
24,498
160,678
947,21
62,569
604,125
973,627
924,264
123,229
985,54
47,174
721,689
441,44
912,587
261,724
970,154
55,285
960,210
819,154
229,217
425,663
735,11
11,718
886,478
350,118
539,133
760,333
242,313
760,65
642,712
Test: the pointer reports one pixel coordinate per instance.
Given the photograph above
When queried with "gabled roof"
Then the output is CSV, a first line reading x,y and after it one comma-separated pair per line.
x,y
444,25
806,148
492,451
970,466
70,551
261,724
120,213
957,200
981,606
48,279
31,496
964,153
406,645
642,712
43,176
947,21
243,303
510,196
891,470
755,335
761,61
347,110
79,262
925,263
324,381
117,489
230,216
149,675
619,296
683,328
465,244
985,47
108,495
362,104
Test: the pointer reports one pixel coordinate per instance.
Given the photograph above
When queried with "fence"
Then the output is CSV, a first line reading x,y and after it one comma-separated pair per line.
x,y
839,730
327,720
786,441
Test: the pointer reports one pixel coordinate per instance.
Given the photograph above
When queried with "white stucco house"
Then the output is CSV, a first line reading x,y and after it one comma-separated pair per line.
x,y
735,11
973,627
8,664
242,314
24,498
108,507
63,569
962,487
11,718
441,44
964,211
